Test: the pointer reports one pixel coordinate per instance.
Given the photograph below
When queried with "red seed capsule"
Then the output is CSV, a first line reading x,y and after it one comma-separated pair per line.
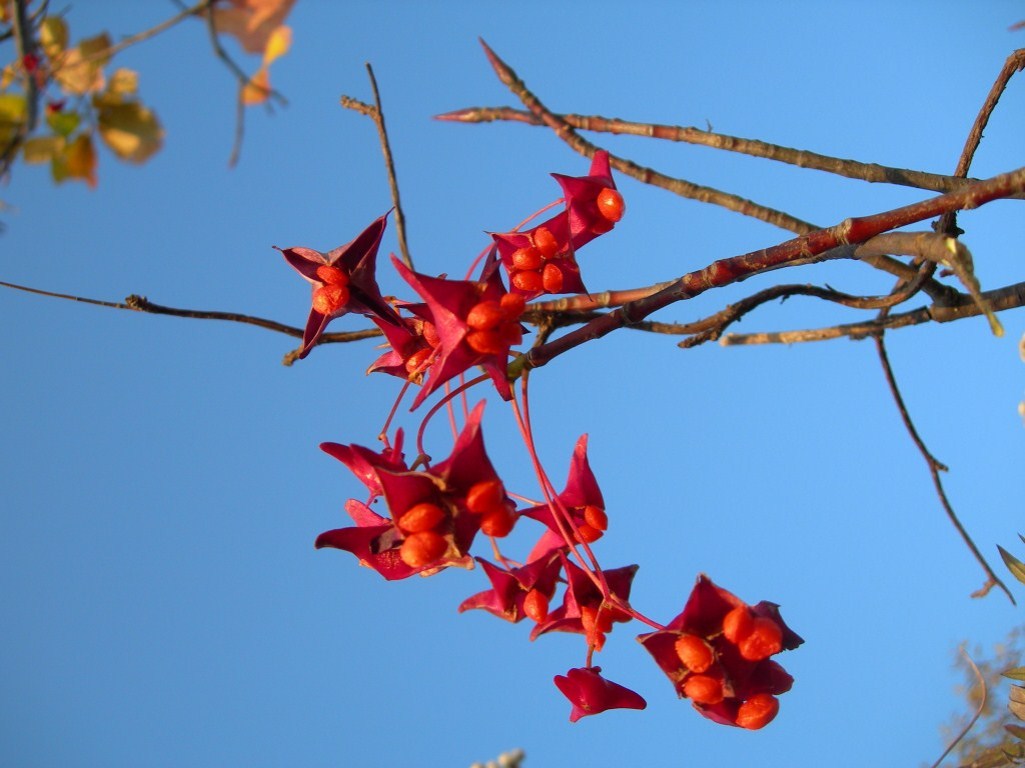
x,y
695,654
545,242
737,624
596,517
420,549
703,689
764,640
528,258
328,299
485,316
611,205
535,605
758,711
486,496
551,278
332,275
421,517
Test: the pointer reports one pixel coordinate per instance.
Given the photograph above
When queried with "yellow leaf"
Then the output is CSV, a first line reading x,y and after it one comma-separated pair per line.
x,y
42,149
78,161
80,72
278,44
257,89
53,36
131,131
96,48
7,76
124,82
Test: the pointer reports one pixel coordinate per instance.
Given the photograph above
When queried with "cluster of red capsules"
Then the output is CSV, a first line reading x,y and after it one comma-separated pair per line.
x,y
716,652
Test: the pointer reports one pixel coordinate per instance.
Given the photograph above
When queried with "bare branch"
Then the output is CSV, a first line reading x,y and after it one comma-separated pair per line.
x,y
852,169
400,218
678,186
935,467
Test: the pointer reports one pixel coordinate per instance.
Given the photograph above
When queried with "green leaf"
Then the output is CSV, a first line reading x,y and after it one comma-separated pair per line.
x,y
63,123
1014,565
12,115
42,149
1018,673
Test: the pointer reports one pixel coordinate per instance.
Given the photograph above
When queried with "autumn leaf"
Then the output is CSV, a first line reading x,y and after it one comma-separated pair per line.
x,y
130,130
257,89
42,149
77,161
252,22
80,70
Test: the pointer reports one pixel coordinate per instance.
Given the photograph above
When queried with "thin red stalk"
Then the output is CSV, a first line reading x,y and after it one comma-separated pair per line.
x,y
383,434
440,404
560,513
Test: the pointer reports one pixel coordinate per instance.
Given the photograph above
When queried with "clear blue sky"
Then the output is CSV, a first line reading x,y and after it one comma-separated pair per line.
x,y
161,482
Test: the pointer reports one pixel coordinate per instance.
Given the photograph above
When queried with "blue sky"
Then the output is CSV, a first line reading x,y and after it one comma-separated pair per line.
x,y
163,603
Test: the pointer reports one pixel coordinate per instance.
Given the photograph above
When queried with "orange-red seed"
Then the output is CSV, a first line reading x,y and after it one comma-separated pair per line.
x,y
430,334
420,549
499,522
535,605
587,533
545,242
703,689
487,342
415,360
765,639
526,258
596,517
486,496
758,711
485,316
328,299
421,517
551,278
694,653
332,275
526,281
737,624
512,305
611,205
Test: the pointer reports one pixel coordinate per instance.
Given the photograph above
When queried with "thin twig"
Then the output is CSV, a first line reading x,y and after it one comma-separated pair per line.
x,y
1015,63
999,299
679,186
142,304
243,81
852,169
978,712
400,218
935,467
146,34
